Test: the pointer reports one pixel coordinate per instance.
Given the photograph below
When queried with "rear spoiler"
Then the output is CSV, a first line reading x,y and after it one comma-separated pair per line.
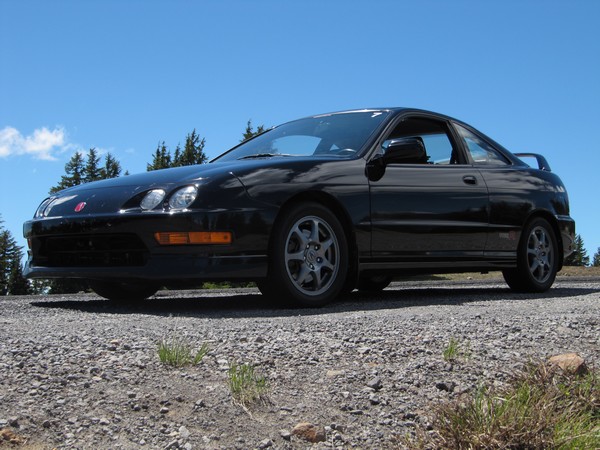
x,y
541,161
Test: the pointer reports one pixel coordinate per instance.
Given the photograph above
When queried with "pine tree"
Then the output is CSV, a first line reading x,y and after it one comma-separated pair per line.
x,y
111,169
6,257
74,174
162,158
176,157
193,151
596,261
11,274
579,257
250,132
17,283
92,171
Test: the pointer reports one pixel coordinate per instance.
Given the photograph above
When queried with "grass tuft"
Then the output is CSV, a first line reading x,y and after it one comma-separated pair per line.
x,y
455,350
246,386
178,352
541,408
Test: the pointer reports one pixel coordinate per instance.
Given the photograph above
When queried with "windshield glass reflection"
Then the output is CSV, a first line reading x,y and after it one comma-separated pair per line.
x,y
340,134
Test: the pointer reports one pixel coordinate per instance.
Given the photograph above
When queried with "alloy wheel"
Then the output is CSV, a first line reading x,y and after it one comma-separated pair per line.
x,y
312,255
540,254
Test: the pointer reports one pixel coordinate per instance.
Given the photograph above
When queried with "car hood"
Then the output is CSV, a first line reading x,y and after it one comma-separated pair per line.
x,y
150,180
165,178
124,193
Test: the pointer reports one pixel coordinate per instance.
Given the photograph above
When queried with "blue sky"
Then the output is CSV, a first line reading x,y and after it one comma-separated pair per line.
x,y
121,76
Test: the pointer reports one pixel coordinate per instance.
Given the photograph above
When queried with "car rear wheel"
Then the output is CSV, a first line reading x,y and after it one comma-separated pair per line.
x,y
373,283
537,259
309,257
123,292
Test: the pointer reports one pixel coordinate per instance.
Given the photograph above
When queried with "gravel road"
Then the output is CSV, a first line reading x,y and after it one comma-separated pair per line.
x,y
79,372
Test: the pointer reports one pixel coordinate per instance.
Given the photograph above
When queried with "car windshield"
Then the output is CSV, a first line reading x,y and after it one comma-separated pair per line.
x,y
340,134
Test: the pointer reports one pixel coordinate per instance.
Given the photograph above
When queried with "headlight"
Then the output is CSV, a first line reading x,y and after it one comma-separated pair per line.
x,y
47,205
41,209
183,197
152,199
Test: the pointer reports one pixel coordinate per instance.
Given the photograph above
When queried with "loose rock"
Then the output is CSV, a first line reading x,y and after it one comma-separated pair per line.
x,y
570,363
309,432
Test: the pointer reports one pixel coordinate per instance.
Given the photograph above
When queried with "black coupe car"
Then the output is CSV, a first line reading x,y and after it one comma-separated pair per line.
x,y
314,208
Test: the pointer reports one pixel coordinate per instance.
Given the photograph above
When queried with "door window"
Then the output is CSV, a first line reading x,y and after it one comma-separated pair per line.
x,y
438,145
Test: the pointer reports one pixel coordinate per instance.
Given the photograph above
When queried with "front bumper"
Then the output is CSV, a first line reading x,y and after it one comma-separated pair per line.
x,y
124,247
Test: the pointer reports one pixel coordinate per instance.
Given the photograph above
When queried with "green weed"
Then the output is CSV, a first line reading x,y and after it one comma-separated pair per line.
x,y
178,352
246,386
455,350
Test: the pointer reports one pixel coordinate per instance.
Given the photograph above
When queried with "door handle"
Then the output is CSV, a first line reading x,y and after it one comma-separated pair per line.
x,y
470,179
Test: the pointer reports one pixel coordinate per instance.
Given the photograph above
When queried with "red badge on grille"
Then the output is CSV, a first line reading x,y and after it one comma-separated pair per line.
x,y
80,206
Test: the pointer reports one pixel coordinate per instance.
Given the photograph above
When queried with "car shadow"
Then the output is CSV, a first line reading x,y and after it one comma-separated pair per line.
x,y
248,303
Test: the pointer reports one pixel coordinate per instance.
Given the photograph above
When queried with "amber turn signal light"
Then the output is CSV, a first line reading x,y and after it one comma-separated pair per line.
x,y
193,237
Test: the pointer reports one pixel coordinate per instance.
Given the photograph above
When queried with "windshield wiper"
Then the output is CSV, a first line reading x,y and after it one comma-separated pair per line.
x,y
263,155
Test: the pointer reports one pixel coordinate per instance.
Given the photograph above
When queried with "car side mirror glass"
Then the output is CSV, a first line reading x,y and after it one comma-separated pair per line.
x,y
405,151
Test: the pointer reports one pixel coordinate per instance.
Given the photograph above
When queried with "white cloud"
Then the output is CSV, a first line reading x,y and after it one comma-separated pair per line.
x,y
103,151
41,144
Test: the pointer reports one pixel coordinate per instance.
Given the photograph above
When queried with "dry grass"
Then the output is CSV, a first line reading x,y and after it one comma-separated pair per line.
x,y
576,271
543,408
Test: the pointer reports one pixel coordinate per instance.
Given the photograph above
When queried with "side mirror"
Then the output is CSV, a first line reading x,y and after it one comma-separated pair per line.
x,y
399,151
405,151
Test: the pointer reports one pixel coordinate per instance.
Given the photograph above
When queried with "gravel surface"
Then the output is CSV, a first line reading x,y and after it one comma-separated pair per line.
x,y
79,372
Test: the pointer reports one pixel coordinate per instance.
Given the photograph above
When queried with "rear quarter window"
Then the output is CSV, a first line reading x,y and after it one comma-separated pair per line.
x,y
481,151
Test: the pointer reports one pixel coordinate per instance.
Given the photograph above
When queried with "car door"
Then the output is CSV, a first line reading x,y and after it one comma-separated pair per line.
x,y
511,191
433,211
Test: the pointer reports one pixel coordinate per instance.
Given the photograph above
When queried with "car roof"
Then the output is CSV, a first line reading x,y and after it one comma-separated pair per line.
x,y
393,109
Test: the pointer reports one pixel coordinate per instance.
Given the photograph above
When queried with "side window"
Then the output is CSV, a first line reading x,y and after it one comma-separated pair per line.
x,y
438,145
481,152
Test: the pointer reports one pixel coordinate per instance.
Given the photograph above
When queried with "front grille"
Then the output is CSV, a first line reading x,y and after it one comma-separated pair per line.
x,y
98,250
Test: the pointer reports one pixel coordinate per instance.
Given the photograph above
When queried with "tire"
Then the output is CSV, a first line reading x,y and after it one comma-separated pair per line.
x,y
308,263
537,259
123,292
374,283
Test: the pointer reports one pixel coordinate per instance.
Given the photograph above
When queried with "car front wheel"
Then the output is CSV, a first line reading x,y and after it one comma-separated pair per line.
x,y
123,292
309,257
537,259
